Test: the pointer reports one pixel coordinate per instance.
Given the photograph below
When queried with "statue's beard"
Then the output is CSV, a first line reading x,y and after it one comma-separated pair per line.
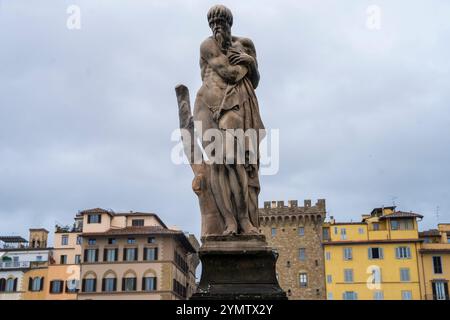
x,y
223,39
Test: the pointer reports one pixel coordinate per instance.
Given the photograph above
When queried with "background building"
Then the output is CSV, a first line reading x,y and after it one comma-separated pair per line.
x,y
376,258
63,281
296,234
435,263
23,266
134,256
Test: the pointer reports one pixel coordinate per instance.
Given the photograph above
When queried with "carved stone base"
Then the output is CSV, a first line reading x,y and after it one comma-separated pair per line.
x,y
236,268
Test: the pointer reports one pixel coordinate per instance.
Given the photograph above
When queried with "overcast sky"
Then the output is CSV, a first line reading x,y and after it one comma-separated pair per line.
x,y
87,115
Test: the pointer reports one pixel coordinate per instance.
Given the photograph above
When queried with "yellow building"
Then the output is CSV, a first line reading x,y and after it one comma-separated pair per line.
x,y
374,259
435,263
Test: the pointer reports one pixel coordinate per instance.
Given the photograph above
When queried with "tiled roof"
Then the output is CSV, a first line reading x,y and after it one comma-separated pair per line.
x,y
136,231
12,239
401,214
96,210
152,230
429,233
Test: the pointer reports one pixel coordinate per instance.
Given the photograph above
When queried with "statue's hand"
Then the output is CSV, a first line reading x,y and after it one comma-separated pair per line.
x,y
236,57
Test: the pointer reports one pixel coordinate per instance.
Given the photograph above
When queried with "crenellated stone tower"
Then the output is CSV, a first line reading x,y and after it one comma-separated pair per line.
x,y
296,234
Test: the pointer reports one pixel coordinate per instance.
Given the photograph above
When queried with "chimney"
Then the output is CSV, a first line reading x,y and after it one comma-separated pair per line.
x,y
332,221
307,203
280,204
266,204
274,204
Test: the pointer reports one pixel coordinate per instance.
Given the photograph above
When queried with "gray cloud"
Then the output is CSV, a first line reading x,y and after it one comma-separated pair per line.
x,y
86,116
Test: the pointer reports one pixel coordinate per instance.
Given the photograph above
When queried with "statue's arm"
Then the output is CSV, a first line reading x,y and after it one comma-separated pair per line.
x,y
220,64
253,72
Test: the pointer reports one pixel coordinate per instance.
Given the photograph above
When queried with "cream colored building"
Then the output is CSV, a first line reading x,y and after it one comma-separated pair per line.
x,y
135,256
435,263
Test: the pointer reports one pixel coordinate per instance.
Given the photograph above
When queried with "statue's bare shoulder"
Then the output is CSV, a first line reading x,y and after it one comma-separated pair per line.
x,y
247,44
209,49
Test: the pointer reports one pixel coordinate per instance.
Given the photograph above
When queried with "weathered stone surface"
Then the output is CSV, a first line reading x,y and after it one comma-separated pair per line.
x,y
286,221
237,268
236,261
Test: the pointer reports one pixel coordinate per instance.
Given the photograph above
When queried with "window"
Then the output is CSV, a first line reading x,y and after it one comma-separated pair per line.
x,y
151,240
301,231
437,264
335,230
361,230
328,255
343,234
36,284
79,239
89,285
330,295
3,284
72,286
63,259
91,255
131,240
110,255
274,232
326,233
130,254
151,254
10,285
92,242
376,226
56,286
38,258
137,222
403,253
129,284
64,240
376,275
348,275
112,241
404,275
302,254
406,295
77,259
303,280
348,253
375,253
378,295
149,283
329,278
109,285
394,225
350,295
94,218
440,290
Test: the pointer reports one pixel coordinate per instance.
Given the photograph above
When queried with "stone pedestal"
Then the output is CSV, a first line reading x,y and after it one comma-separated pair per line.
x,y
237,267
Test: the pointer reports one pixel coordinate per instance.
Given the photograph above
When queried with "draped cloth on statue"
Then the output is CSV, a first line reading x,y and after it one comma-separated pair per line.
x,y
240,110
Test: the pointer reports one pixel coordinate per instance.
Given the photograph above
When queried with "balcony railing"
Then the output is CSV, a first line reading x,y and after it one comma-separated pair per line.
x,y
14,264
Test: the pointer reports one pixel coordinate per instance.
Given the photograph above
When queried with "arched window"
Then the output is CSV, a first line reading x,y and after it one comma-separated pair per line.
x,y
149,282
89,283
109,282
129,281
2,284
36,284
